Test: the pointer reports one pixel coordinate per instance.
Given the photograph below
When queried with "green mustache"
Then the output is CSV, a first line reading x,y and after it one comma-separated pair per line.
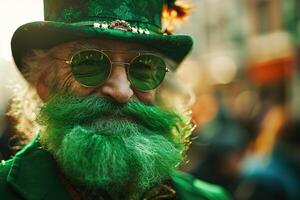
x,y
84,110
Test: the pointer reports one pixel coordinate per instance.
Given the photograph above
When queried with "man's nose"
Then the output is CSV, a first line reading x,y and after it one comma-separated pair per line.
x,y
117,87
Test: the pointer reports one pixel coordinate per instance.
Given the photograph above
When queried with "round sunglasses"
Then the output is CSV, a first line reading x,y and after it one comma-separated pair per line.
x,y
92,67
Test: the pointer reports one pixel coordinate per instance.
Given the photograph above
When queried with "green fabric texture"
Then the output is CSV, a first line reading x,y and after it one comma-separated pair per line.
x,y
69,20
146,12
32,175
191,188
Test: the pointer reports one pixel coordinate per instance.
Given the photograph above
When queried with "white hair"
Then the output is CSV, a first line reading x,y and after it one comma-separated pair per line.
x,y
25,103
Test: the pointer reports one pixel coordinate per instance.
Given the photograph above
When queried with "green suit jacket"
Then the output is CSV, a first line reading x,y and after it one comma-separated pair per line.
x,y
32,175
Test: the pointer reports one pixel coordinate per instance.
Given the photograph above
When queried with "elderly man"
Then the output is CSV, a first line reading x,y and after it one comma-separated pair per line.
x,y
96,66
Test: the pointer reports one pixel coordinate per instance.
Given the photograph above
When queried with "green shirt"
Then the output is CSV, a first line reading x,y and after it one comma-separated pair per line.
x,y
32,175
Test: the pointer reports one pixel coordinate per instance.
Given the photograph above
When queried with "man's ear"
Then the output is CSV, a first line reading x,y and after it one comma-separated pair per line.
x,y
42,88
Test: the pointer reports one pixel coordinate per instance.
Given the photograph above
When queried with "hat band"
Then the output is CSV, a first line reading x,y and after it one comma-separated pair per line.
x,y
122,25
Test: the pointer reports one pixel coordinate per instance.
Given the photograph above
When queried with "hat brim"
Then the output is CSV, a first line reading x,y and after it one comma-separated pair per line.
x,y
46,34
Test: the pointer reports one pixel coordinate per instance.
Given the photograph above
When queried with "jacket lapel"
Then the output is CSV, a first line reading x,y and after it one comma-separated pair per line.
x,y
34,175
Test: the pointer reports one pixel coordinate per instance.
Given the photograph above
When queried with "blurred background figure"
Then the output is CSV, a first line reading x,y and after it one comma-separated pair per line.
x,y
222,142
247,54
244,72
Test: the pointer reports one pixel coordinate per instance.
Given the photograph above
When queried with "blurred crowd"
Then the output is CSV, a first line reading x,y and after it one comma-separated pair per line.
x,y
245,73
247,105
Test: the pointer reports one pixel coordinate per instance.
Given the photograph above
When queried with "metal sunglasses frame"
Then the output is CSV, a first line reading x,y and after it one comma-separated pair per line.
x,y
126,64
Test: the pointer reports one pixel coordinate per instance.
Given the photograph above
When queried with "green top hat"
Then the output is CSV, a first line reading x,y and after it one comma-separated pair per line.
x,y
127,20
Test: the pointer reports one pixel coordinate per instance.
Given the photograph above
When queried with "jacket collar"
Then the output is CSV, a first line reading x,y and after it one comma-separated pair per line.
x,y
34,175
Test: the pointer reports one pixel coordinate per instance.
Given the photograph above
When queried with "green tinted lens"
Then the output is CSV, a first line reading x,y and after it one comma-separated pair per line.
x,y
90,67
146,72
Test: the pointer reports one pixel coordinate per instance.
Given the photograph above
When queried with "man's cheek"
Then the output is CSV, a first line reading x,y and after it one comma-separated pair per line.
x,y
146,97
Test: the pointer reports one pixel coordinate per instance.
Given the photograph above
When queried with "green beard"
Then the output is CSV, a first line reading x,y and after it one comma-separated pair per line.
x,y
117,147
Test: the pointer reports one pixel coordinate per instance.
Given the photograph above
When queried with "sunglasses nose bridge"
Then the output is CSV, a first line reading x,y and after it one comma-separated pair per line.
x,y
120,63
117,85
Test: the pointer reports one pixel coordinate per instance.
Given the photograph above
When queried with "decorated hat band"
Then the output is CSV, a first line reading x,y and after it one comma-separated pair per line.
x,y
121,25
